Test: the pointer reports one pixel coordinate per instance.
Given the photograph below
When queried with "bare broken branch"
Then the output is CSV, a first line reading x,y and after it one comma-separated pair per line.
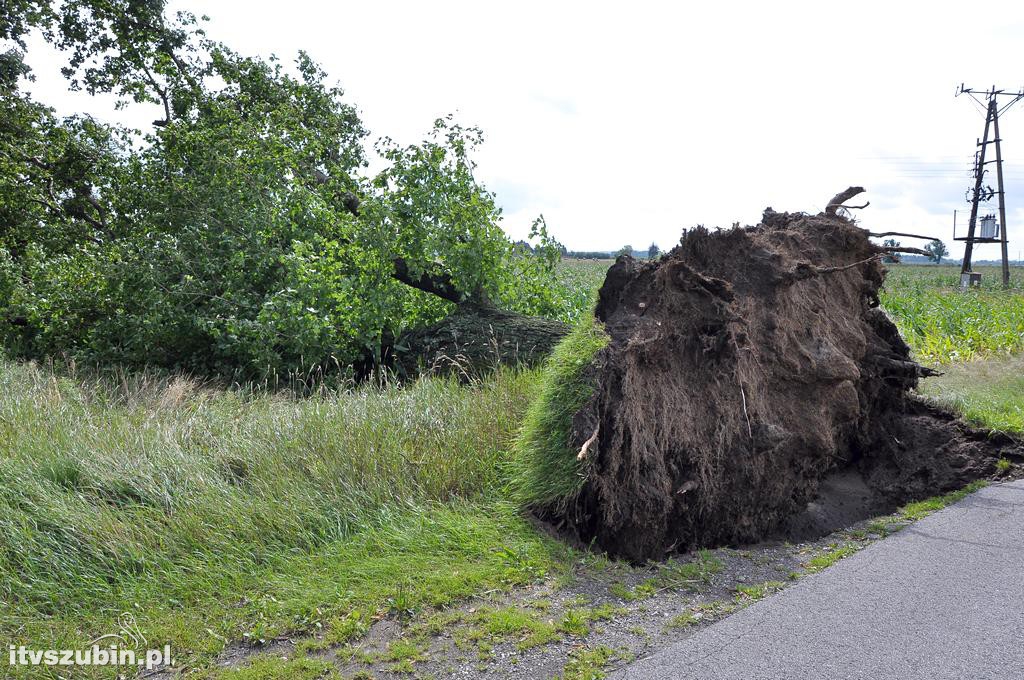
x,y
901,249
901,233
842,197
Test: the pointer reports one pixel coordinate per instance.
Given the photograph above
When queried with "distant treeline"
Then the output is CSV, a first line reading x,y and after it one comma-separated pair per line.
x,y
601,254
921,259
643,255
588,254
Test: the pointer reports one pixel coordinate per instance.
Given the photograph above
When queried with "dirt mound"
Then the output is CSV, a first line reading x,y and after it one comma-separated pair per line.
x,y
743,368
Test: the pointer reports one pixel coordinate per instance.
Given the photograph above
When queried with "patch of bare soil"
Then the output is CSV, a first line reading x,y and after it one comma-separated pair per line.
x,y
843,499
746,368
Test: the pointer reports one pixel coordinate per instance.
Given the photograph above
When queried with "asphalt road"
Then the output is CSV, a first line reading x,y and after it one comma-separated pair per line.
x,y
943,598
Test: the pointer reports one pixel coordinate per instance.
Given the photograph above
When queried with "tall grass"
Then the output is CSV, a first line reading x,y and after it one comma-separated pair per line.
x,y
161,486
986,392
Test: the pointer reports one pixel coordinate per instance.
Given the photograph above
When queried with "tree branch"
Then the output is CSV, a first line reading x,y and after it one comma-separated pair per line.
x,y
162,93
60,212
842,197
901,249
437,283
900,233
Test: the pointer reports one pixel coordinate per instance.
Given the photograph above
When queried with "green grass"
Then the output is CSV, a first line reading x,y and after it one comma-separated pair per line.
x,y
692,575
830,557
404,650
712,611
988,393
214,516
588,664
684,620
508,621
275,668
640,592
921,509
575,622
543,469
757,591
527,629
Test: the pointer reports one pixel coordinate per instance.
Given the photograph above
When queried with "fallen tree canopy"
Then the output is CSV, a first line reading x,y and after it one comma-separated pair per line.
x,y
740,371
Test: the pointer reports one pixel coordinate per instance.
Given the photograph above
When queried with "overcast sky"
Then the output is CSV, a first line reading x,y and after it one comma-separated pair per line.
x,y
627,122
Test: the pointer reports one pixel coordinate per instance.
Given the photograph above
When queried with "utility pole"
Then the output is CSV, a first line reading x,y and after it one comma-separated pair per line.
x,y
982,193
978,193
1002,202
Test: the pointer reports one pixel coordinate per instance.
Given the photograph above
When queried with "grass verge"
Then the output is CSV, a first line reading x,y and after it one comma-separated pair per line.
x,y
986,392
206,516
915,511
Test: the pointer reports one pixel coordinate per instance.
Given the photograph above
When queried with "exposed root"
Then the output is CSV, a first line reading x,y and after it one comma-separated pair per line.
x,y
587,444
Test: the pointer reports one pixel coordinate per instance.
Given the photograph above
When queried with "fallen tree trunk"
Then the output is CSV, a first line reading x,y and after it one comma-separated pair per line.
x,y
474,340
740,370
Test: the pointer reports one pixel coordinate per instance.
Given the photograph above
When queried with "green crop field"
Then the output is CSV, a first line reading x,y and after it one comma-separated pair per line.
x,y
945,325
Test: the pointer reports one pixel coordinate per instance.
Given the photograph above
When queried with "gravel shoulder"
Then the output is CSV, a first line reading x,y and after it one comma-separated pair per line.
x,y
942,599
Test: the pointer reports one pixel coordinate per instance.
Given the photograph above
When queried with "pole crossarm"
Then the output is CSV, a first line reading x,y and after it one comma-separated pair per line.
x,y
989,94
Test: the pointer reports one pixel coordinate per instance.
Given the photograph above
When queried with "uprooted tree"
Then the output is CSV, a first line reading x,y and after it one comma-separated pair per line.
x,y
717,387
240,235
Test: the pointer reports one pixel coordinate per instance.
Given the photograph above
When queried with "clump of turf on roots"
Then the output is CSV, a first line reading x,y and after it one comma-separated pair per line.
x,y
545,468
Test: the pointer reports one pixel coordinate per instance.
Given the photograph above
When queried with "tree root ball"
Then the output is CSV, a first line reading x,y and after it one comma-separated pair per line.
x,y
741,369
